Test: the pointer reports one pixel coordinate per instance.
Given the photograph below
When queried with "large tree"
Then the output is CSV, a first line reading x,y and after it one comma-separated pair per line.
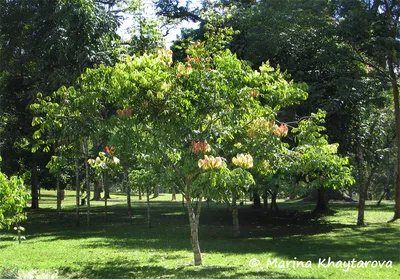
x,y
371,28
43,45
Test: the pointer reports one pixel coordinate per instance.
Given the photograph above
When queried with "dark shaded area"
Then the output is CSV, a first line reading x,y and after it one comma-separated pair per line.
x,y
116,270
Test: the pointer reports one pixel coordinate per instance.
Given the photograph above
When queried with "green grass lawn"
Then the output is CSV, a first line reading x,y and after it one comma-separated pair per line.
x,y
127,248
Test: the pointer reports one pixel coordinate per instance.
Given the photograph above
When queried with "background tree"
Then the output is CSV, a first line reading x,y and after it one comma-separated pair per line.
x,y
77,115
104,164
43,45
144,179
230,184
59,166
371,28
373,139
319,164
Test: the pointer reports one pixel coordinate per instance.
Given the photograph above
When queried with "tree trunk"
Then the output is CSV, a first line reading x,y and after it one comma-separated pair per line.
x,y
103,181
128,192
361,203
173,195
322,202
361,210
148,209
87,180
361,181
265,199
77,191
274,206
140,193
256,200
363,194
292,194
194,229
34,187
106,187
381,198
97,190
235,216
388,193
58,197
156,191
397,117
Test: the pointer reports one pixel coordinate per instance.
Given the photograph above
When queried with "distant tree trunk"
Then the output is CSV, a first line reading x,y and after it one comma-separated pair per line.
x,y
128,191
140,193
322,202
381,198
173,195
274,206
103,182
361,204
256,200
235,216
362,187
156,191
292,194
58,197
97,190
194,229
148,209
387,191
106,187
34,187
87,180
265,199
77,191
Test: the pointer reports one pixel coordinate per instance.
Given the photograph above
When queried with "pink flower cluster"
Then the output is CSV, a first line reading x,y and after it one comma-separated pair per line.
x,y
254,93
124,112
282,130
200,147
110,150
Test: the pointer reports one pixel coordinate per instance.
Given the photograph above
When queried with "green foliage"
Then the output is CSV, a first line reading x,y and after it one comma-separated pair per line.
x,y
143,179
13,198
318,161
164,107
105,162
44,45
